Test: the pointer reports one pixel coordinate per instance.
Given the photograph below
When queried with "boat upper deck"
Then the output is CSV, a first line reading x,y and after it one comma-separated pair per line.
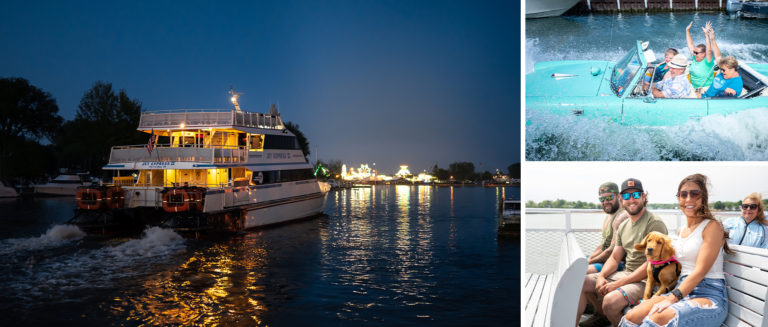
x,y
208,118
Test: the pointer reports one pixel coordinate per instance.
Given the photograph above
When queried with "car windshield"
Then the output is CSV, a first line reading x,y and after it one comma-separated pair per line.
x,y
624,72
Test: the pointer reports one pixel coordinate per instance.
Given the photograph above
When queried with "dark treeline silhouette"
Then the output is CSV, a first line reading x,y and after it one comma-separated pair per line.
x,y
35,141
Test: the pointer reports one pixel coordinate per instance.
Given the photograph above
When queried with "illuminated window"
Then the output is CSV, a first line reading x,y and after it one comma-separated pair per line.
x,y
256,142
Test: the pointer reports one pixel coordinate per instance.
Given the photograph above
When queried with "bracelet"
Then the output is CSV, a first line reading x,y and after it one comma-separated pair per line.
x,y
679,295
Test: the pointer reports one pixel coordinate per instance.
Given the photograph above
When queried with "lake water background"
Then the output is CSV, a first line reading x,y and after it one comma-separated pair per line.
x,y
740,136
387,256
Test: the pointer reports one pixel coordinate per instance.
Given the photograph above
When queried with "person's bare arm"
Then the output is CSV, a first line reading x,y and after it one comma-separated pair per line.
x,y
715,48
688,38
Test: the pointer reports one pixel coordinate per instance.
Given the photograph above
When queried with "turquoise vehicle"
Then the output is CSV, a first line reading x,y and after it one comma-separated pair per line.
x,y
615,91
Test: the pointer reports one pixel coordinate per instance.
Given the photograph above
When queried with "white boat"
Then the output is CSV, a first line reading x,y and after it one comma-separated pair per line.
x,y
64,184
547,8
7,191
213,169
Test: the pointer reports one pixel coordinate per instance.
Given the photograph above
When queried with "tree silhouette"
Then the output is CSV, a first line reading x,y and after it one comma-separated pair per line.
x,y
103,119
303,142
25,112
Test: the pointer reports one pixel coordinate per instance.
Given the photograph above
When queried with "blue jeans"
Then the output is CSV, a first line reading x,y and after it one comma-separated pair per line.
x,y
690,314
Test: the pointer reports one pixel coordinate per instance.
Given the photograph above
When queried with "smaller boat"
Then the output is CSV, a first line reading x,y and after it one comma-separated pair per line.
x,y
64,184
6,191
756,9
547,8
509,217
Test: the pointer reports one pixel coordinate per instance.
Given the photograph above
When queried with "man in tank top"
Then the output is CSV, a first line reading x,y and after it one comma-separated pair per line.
x,y
609,198
610,291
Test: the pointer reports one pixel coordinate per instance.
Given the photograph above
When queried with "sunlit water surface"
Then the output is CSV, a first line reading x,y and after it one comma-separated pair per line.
x,y
739,136
396,255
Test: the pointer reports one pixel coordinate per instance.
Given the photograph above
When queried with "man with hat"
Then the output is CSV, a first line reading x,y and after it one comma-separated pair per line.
x,y
609,198
675,83
610,291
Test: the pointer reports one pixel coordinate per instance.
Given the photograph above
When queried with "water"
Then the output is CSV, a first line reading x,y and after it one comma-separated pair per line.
x,y
609,36
385,256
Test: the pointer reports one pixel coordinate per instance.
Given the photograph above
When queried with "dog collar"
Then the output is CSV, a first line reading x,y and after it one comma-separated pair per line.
x,y
671,259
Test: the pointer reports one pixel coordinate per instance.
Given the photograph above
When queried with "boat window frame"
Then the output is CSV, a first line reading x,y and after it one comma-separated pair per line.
x,y
624,63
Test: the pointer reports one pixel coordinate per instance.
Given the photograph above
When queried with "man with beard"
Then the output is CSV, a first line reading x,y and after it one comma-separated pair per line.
x,y
610,291
609,198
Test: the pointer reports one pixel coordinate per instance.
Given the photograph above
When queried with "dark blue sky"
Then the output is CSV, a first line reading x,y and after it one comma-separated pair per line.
x,y
390,82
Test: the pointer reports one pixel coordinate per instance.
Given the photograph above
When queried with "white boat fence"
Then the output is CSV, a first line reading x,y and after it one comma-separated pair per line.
x,y
541,242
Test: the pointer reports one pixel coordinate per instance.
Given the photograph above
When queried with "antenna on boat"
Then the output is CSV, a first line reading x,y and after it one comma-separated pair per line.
x,y
235,95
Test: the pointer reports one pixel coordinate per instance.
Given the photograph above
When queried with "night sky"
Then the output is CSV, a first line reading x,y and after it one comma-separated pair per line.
x,y
385,82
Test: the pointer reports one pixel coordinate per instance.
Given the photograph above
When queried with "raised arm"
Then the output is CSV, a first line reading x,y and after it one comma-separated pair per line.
x,y
707,43
715,48
688,37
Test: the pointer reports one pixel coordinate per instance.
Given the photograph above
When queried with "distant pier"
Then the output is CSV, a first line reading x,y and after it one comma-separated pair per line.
x,y
649,5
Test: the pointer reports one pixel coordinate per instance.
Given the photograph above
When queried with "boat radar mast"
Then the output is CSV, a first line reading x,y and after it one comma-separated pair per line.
x,y
235,95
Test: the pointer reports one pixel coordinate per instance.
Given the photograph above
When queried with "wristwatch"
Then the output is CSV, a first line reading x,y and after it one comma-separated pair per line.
x,y
678,294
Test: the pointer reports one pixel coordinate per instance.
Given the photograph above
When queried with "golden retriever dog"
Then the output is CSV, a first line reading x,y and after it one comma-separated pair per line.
x,y
663,269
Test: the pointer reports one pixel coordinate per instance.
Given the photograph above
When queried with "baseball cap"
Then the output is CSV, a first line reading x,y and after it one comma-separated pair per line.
x,y
632,183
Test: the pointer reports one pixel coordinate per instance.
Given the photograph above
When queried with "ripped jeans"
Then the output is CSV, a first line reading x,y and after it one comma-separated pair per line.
x,y
690,314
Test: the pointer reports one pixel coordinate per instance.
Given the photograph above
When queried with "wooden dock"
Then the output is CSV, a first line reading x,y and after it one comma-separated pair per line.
x,y
649,5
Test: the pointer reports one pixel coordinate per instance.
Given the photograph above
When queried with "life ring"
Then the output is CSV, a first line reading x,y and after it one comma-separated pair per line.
x,y
176,200
89,198
115,197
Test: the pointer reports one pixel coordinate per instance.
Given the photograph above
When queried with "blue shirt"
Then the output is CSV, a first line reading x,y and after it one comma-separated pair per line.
x,y
660,71
755,234
717,89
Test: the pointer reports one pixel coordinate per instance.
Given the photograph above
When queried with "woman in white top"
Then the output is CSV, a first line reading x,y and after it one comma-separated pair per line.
x,y
700,297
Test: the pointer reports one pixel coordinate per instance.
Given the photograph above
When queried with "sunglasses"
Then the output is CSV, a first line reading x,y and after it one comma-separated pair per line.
x,y
635,195
684,194
698,52
606,198
749,206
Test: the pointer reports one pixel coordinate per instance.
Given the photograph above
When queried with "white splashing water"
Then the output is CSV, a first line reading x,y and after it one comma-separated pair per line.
x,y
43,274
55,236
739,136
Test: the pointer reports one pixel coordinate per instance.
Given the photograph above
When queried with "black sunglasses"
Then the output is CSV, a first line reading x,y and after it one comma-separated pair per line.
x,y
606,198
684,194
749,206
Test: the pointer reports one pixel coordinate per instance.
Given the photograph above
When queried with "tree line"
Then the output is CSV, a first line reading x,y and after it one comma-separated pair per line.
x,y
563,204
35,141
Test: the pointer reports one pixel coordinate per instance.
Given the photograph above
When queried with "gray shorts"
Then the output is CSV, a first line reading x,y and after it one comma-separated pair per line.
x,y
632,292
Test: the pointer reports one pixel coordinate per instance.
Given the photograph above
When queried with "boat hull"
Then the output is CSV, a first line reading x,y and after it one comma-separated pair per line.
x,y
285,211
547,8
57,190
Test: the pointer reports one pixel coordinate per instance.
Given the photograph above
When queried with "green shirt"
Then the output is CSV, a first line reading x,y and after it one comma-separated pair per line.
x,y
702,72
608,231
633,232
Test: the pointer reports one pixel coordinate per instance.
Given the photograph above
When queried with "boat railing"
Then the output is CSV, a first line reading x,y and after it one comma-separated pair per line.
x,y
183,153
538,239
206,118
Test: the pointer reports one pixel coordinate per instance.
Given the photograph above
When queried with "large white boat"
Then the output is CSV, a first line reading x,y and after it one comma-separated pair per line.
x,y
65,184
547,8
211,169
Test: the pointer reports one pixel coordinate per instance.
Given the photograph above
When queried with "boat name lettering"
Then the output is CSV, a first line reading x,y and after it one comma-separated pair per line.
x,y
278,155
157,164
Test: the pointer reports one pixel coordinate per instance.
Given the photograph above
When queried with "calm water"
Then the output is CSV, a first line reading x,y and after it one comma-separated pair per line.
x,y
739,136
383,256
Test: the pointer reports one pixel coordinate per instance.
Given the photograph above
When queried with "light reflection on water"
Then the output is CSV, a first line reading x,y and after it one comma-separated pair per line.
x,y
398,255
